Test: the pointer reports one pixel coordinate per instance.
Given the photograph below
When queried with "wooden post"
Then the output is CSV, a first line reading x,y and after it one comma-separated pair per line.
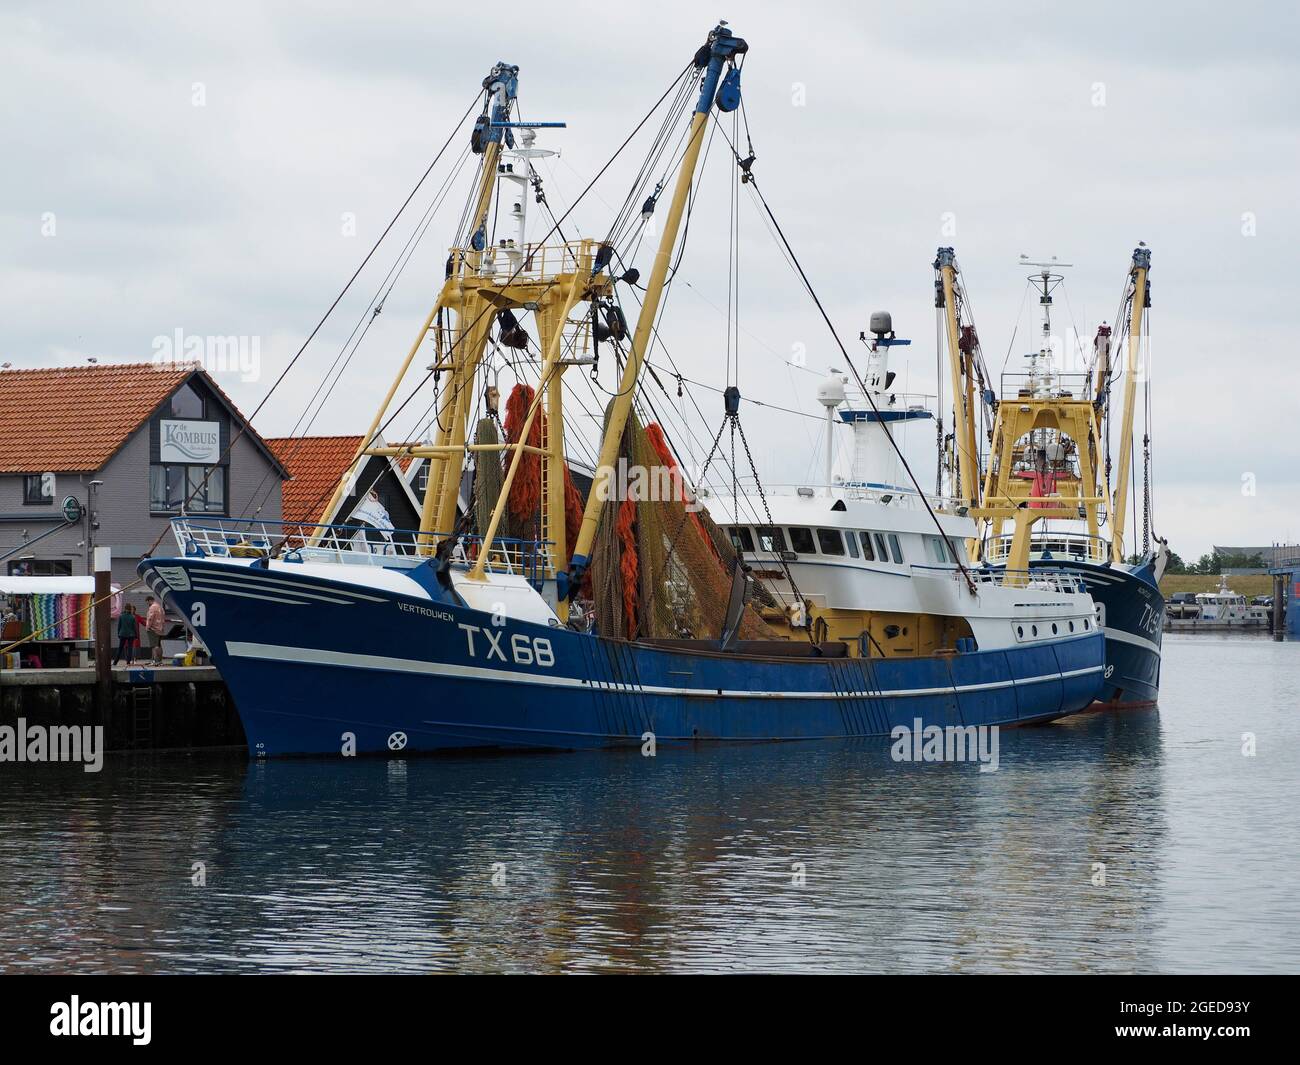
x,y
1279,615
102,625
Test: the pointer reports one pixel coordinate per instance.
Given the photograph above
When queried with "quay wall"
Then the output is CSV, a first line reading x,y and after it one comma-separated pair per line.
x,y
150,709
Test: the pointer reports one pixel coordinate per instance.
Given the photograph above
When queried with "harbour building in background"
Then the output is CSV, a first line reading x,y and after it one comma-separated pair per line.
x,y
105,455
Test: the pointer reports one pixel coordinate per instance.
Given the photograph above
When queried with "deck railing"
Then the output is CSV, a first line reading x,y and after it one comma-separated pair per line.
x,y
510,262
1080,546
1044,579
357,545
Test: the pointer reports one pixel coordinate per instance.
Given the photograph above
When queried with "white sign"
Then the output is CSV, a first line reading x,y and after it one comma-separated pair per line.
x,y
183,442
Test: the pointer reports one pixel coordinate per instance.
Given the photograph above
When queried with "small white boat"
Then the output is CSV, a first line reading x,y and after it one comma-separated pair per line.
x,y
1222,609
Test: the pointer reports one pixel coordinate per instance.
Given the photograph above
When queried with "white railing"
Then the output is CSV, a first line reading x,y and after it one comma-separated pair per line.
x,y
906,497
352,545
1060,545
1043,580
510,262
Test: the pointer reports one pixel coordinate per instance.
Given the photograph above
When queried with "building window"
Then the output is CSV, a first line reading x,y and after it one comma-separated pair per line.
x,y
41,567
422,478
38,489
173,487
187,404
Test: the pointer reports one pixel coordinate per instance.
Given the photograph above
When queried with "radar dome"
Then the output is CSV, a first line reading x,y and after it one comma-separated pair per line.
x,y
830,393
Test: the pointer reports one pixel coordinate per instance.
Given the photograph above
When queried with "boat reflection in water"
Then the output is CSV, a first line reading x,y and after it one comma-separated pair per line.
x,y
686,861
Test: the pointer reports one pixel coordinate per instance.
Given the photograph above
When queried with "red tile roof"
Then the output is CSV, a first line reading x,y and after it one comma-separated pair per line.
x,y
315,463
72,419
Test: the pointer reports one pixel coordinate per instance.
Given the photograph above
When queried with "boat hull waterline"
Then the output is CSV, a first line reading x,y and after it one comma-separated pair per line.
x,y
308,661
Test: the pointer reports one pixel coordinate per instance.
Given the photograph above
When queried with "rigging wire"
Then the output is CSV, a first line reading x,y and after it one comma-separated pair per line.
x,y
753,183
466,331
330,380
247,422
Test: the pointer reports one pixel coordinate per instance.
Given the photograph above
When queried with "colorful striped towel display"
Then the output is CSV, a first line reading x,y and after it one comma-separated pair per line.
x,y
62,617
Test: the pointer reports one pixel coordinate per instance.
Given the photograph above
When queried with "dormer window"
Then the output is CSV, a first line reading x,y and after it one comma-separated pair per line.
x,y
187,404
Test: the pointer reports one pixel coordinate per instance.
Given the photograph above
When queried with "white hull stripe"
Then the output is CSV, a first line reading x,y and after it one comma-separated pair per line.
x,y
242,575
249,595
1137,641
317,657
219,585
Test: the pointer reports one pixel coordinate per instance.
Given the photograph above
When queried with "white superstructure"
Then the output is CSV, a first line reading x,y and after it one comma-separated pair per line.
x,y
872,543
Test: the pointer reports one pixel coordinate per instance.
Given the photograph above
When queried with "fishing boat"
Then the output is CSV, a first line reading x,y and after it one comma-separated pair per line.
x,y
1051,489
523,614
876,562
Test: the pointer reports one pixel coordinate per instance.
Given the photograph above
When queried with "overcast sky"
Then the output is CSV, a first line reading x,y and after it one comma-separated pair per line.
x,y
192,167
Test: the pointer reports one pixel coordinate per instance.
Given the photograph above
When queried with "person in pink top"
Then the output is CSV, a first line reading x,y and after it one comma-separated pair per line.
x,y
153,630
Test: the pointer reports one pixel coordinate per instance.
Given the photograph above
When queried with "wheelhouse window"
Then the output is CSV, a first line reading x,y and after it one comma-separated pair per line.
x,y
801,540
851,542
770,538
938,550
38,489
172,487
882,552
741,539
896,547
867,553
830,541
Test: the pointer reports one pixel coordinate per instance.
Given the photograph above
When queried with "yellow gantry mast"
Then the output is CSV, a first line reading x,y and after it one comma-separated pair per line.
x,y
1141,299
484,279
721,49
1045,406
966,490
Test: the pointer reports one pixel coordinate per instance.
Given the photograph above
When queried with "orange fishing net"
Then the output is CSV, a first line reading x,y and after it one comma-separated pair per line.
x,y
526,491
660,567
523,511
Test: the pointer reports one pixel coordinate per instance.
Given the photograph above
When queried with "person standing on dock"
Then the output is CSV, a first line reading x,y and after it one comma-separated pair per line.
x,y
153,630
128,631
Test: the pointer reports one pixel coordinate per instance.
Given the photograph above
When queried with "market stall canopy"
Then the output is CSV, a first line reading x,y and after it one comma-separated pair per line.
x,y
50,586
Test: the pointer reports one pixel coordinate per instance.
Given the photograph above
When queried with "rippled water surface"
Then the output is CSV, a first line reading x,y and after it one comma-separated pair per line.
x,y
688,861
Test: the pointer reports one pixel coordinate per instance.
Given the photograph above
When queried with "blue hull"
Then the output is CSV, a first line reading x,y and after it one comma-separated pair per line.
x,y
1132,613
309,661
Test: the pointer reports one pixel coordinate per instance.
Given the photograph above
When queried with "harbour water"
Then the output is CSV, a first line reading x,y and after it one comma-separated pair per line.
x,y
794,857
